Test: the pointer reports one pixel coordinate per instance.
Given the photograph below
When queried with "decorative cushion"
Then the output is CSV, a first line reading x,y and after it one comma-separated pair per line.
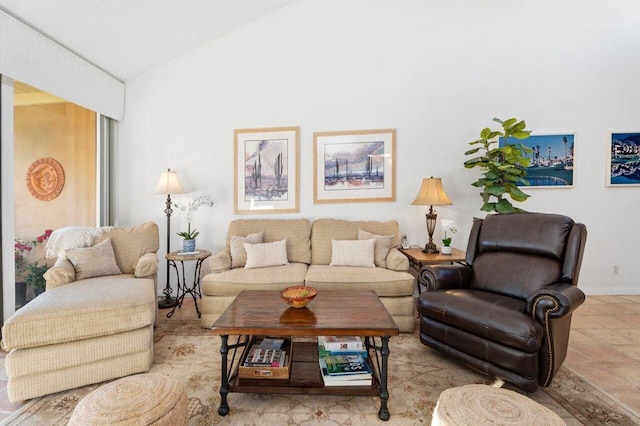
x,y
353,253
96,261
266,254
383,245
131,243
238,253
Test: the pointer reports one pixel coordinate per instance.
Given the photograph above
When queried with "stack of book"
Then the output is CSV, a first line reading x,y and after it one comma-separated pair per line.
x,y
343,361
267,353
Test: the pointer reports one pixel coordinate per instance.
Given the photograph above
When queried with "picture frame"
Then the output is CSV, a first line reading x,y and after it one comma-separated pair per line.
x,y
552,161
266,170
354,166
623,159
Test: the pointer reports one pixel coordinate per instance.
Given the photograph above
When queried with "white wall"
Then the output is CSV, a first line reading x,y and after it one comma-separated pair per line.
x,y
437,71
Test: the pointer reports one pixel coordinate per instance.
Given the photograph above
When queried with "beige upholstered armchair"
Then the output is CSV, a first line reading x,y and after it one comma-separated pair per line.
x,y
95,320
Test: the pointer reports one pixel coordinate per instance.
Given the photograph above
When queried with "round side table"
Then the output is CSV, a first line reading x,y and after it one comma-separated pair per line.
x,y
176,256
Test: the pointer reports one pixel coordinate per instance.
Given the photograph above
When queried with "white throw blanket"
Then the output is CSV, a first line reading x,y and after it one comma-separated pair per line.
x,y
72,237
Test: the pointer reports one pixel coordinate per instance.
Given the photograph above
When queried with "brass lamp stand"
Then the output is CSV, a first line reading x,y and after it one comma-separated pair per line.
x,y
431,194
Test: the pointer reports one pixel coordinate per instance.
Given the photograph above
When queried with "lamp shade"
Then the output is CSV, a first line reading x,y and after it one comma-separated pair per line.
x,y
432,193
168,184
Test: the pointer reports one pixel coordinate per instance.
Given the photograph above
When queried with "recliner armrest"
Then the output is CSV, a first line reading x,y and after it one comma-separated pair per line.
x,y
397,261
442,277
61,273
220,261
147,265
556,300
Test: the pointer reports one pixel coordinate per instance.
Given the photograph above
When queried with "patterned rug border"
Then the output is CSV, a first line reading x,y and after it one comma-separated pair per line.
x,y
586,402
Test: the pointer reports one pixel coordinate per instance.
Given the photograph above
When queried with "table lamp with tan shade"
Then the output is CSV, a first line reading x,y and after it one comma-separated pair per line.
x,y
431,194
168,184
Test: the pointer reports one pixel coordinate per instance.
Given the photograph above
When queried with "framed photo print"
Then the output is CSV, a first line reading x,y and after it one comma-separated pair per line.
x,y
354,166
552,160
266,170
624,160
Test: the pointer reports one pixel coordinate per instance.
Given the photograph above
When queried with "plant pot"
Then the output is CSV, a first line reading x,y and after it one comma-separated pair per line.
x,y
189,245
21,293
446,250
37,291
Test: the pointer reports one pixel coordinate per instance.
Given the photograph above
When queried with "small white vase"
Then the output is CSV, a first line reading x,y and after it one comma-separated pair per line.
x,y
446,250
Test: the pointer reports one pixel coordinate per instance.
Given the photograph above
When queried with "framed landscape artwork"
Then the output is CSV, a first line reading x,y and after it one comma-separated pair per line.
x,y
354,166
624,160
552,160
266,170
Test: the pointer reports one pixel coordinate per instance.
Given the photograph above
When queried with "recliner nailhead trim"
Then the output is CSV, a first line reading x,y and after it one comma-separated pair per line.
x,y
556,306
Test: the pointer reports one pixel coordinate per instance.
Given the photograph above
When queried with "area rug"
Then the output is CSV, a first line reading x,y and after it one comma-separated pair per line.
x,y
417,376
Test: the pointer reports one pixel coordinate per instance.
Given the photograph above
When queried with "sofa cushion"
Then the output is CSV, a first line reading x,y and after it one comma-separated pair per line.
x,y
383,245
237,250
325,230
83,310
266,254
353,253
230,283
297,232
131,243
96,261
383,281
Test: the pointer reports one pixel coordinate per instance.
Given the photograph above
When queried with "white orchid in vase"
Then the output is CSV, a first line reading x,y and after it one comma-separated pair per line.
x,y
450,227
187,208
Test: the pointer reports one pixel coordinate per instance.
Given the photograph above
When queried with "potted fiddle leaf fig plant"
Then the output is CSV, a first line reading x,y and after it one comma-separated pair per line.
x,y
503,167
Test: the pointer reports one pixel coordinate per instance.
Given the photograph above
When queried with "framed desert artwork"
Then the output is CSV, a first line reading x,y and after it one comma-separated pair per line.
x,y
266,170
623,157
354,166
552,160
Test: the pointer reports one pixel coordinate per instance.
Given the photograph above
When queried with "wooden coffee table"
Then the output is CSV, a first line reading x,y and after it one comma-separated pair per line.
x,y
331,313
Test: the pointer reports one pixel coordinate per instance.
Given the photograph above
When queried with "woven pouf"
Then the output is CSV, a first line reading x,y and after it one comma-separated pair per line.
x,y
475,405
142,399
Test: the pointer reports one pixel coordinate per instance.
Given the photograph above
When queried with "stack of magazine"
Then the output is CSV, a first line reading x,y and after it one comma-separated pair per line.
x,y
267,353
343,361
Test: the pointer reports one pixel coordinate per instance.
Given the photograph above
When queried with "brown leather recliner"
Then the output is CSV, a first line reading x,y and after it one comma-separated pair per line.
x,y
507,312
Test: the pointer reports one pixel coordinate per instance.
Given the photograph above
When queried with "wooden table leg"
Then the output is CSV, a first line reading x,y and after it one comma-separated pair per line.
x,y
223,409
384,414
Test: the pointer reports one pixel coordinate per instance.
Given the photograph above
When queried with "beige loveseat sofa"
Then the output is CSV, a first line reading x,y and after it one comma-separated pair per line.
x,y
309,254
87,330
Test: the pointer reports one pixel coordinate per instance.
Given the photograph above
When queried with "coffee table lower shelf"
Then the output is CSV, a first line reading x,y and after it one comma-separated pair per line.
x,y
304,379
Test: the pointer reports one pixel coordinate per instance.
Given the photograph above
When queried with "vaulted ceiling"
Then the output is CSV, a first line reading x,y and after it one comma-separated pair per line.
x,y
127,37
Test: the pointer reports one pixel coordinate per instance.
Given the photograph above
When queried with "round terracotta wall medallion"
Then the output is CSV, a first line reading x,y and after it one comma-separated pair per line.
x,y
45,179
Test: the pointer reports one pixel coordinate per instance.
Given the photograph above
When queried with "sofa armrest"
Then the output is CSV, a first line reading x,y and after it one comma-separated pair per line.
x,y
443,277
396,261
556,300
61,273
220,261
146,266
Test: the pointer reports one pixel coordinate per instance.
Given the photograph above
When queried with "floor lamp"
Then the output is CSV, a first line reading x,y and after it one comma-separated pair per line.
x,y
168,184
431,194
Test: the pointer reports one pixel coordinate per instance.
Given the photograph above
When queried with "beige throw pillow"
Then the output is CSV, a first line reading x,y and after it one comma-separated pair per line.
x,y
383,245
238,253
96,261
266,254
353,253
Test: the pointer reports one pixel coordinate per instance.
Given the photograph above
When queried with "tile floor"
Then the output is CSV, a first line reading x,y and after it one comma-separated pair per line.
x,y
604,347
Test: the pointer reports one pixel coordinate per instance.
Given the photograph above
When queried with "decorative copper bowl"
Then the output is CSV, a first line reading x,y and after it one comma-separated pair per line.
x,y
298,296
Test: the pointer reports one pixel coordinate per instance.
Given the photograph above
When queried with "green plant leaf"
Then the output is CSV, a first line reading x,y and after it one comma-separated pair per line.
x,y
472,151
508,123
484,134
504,206
495,190
521,134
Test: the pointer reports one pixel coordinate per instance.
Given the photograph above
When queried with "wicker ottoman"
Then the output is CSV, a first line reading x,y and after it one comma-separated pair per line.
x,y
476,405
143,399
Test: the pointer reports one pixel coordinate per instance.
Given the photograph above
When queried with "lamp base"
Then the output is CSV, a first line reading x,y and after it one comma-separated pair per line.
x,y
430,248
167,302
